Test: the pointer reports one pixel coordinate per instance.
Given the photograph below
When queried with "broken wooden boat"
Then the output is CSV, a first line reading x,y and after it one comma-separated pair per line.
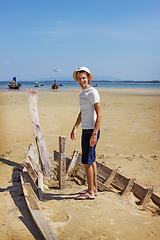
x,y
110,180
37,171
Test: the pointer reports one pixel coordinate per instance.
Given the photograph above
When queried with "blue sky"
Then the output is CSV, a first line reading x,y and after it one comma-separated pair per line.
x,y
119,38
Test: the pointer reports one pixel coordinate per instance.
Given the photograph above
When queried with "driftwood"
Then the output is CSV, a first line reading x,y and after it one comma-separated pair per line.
x,y
41,145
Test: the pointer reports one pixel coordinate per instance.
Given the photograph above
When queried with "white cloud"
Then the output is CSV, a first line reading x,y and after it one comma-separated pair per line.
x,y
49,32
6,62
61,22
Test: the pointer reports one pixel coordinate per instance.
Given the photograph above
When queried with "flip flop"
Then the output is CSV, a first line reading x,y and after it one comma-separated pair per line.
x,y
85,191
84,197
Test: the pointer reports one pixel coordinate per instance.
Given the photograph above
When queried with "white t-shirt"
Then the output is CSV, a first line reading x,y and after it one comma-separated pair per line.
x,y
88,97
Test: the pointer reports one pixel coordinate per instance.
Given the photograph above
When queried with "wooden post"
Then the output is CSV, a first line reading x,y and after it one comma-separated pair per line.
x,y
62,162
41,145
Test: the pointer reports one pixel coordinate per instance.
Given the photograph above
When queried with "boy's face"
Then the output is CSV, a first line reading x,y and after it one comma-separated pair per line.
x,y
82,79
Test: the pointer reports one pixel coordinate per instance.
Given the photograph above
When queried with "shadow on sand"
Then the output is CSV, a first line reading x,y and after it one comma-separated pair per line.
x,y
18,198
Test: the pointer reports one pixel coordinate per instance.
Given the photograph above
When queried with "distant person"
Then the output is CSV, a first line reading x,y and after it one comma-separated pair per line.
x,y
90,117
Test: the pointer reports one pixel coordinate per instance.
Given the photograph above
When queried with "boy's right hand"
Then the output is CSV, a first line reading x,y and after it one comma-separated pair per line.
x,y
73,134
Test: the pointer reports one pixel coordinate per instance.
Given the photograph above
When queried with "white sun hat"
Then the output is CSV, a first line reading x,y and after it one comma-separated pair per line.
x,y
85,69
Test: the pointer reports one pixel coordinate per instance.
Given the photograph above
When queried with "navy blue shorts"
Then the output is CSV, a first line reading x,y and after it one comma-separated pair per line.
x,y
88,152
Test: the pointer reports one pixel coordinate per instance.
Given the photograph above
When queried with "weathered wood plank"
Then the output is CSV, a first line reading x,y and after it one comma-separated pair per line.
x,y
62,162
81,174
40,185
56,158
31,171
103,170
101,186
41,145
28,179
79,159
32,153
36,213
100,178
138,191
155,199
30,196
36,178
109,180
128,186
73,160
120,181
147,196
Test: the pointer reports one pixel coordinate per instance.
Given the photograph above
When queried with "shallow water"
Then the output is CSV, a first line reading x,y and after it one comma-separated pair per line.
x,y
75,85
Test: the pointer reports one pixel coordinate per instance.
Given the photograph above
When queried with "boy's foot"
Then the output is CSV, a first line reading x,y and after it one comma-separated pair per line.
x,y
85,191
86,196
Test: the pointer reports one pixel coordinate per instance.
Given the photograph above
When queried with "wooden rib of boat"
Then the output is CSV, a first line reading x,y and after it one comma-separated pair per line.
x,y
32,204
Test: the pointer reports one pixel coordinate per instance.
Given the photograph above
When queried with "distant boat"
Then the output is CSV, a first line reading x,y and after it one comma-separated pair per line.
x,y
13,84
37,84
94,85
61,85
54,85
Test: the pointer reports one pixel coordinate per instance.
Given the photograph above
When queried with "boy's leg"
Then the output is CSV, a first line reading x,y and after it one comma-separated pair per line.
x,y
89,174
88,158
94,166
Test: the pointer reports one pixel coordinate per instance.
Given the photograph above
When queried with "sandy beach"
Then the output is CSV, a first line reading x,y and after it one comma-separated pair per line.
x,y
130,141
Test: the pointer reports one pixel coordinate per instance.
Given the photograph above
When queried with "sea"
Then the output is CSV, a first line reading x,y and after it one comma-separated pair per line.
x,y
75,85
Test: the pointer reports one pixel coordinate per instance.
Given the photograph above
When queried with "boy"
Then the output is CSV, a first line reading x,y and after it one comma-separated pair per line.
x,y
90,116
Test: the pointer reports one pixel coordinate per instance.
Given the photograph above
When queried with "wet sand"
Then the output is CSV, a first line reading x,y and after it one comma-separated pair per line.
x,y
130,137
